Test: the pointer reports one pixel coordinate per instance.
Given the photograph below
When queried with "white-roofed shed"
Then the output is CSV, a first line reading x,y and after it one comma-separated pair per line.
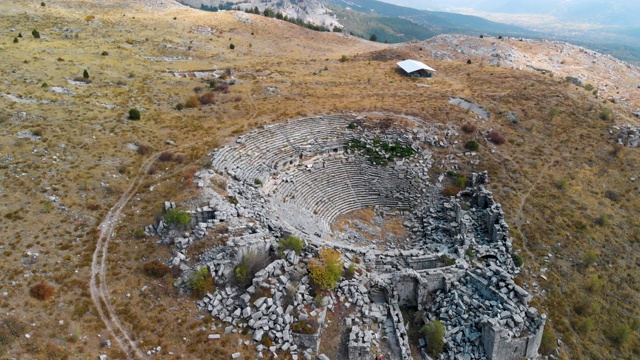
x,y
416,68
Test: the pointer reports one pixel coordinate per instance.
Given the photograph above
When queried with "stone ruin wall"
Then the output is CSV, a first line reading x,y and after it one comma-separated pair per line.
x,y
408,276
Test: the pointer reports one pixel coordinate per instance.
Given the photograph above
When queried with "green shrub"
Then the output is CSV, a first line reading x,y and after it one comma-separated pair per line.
x,y
588,87
250,264
200,282
434,334
344,58
134,114
105,53
85,74
461,182
35,33
15,40
603,220
155,269
469,253
620,335
42,4
447,261
138,233
291,243
589,258
181,218
326,270
257,181
594,284
44,85
231,46
606,115
517,260
352,125
472,145
585,325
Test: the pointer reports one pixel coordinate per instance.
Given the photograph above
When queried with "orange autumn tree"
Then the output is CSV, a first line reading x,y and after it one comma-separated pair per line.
x,y
326,270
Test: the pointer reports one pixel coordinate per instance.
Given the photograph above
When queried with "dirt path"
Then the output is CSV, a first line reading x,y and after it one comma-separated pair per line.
x,y
98,284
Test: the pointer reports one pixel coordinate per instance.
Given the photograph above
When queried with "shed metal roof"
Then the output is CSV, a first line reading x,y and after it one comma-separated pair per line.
x,y
412,65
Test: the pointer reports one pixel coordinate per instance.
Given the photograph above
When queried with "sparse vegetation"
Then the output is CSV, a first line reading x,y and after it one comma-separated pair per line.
x,y
588,87
517,260
606,115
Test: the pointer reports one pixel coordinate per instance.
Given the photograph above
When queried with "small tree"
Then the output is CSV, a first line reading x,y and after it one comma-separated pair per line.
x,y
134,114
468,61
85,74
15,40
373,37
35,33
231,46
42,4
434,334
326,270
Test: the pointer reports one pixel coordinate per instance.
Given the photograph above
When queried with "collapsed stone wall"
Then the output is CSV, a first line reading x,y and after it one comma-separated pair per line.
x,y
486,315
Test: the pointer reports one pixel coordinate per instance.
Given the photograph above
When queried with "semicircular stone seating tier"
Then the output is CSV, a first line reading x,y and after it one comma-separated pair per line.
x,y
308,178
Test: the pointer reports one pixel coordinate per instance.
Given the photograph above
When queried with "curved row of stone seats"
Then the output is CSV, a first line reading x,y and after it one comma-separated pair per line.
x,y
334,186
275,146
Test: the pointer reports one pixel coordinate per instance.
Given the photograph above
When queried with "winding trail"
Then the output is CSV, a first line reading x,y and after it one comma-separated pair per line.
x,y
98,283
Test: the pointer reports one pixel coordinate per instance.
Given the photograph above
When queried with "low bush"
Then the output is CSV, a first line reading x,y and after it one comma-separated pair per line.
x,y
461,182
620,335
192,102
35,33
138,233
291,243
451,191
469,128
200,282
497,138
155,269
143,149
231,46
105,53
134,114
517,260
434,334
472,145
42,291
606,115
249,266
350,272
177,217
166,156
589,87
207,99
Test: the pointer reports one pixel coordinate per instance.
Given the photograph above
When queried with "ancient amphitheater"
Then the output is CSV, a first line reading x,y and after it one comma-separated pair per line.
x,y
452,261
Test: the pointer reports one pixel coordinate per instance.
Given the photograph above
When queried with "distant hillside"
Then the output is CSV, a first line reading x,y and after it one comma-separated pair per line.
x,y
435,22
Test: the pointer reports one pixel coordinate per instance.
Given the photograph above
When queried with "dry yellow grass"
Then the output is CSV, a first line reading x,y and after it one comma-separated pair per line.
x,y
56,190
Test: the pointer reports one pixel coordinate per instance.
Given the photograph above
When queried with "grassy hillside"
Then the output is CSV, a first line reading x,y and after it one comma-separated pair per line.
x,y
69,152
